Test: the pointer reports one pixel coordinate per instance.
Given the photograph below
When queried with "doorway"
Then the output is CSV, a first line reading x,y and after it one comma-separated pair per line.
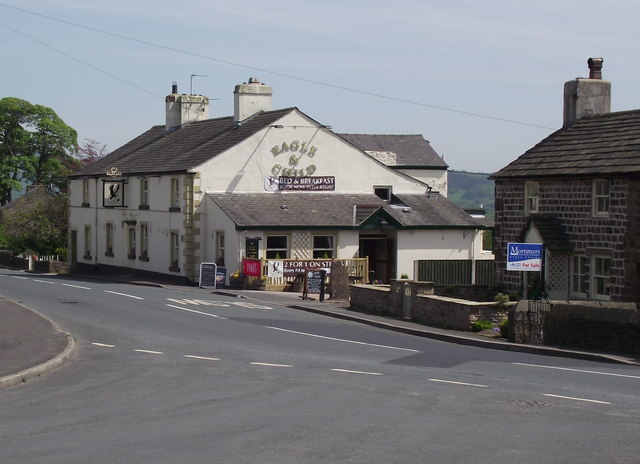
x,y
381,253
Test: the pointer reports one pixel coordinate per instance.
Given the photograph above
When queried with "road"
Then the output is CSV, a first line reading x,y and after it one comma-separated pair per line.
x,y
168,375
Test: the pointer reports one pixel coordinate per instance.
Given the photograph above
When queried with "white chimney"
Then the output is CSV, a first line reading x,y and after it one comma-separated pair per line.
x,y
583,97
250,98
182,109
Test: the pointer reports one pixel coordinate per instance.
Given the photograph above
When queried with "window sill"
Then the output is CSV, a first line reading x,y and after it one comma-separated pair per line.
x,y
109,255
145,207
86,205
174,209
143,258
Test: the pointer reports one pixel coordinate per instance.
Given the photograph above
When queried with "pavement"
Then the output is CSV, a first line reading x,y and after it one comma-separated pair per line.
x,y
32,345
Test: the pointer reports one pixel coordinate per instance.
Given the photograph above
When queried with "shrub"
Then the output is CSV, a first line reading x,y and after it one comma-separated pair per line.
x,y
481,324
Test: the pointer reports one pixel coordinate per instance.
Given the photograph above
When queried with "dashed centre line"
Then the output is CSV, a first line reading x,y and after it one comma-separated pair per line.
x,y
194,311
76,286
44,281
586,400
204,358
103,345
270,364
458,383
148,351
348,371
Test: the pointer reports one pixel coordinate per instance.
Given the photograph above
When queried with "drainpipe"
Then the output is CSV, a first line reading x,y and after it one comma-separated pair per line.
x,y
473,256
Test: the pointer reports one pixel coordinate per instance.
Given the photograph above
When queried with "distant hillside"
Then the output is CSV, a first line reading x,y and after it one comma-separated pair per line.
x,y
472,190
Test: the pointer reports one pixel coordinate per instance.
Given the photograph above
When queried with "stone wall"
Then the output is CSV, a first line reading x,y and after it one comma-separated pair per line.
x,y
609,327
416,301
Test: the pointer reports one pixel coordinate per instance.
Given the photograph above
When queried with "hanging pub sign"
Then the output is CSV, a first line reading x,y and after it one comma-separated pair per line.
x,y
113,193
524,256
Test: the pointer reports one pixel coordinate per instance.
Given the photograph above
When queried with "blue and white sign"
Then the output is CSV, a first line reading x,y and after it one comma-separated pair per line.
x,y
524,257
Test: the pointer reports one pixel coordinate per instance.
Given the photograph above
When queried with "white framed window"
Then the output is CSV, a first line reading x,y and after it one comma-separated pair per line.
x,y
601,277
601,197
323,246
174,240
175,193
87,242
131,242
277,247
144,242
108,239
144,192
220,248
532,196
85,192
580,276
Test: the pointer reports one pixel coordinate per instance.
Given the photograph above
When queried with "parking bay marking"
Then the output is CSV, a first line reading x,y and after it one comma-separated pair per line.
x,y
194,311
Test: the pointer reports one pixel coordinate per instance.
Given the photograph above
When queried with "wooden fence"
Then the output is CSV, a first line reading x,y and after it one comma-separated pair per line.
x,y
456,272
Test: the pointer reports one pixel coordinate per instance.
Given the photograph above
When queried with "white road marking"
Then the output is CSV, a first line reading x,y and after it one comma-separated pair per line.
x,y
102,345
459,383
342,340
579,370
194,311
205,358
43,281
77,286
269,364
356,372
576,399
148,351
20,277
124,294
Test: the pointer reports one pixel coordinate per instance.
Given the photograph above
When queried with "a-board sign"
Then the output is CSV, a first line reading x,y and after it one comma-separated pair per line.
x,y
313,280
524,257
208,273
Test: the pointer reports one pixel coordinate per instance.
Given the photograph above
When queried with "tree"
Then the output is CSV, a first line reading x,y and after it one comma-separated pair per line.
x,y
91,151
35,145
37,221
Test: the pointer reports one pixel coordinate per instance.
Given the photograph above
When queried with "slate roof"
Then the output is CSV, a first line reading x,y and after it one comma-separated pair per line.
x,y
318,210
410,150
604,144
552,231
155,151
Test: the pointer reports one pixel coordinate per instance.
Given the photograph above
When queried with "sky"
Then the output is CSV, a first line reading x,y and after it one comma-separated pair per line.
x,y
482,81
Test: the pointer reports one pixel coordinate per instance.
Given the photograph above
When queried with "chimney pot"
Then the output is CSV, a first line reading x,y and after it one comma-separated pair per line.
x,y
595,68
174,87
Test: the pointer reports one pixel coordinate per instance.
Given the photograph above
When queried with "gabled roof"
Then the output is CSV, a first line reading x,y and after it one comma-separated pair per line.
x,y
407,151
346,211
156,151
552,231
604,144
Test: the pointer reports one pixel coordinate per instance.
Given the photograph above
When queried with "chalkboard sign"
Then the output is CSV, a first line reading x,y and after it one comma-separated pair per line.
x,y
313,280
208,273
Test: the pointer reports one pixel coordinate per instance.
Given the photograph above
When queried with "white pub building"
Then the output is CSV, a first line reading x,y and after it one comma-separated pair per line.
x,y
263,183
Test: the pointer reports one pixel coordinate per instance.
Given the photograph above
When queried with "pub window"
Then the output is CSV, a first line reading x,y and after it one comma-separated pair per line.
x,y
532,195
108,239
383,192
85,193
601,196
580,276
175,194
277,246
87,242
323,246
131,242
601,277
144,242
144,193
174,240
220,248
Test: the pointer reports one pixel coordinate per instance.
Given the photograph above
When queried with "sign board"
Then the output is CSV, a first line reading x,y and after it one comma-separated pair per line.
x,y
208,272
313,281
252,248
252,267
296,266
524,257
113,193
221,277
307,183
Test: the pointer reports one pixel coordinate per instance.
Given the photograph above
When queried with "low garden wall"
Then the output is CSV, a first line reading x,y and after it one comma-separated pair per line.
x,y
416,301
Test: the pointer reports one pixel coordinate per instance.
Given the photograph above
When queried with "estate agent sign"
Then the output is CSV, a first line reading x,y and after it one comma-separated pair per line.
x,y
524,257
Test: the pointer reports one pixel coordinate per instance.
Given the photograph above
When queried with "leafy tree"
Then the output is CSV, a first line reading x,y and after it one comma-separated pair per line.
x,y
35,144
39,224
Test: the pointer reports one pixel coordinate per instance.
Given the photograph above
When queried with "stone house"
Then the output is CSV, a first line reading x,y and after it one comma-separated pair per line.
x,y
578,193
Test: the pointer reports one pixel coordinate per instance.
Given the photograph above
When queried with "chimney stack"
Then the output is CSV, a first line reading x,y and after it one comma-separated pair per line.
x,y
584,97
250,98
182,109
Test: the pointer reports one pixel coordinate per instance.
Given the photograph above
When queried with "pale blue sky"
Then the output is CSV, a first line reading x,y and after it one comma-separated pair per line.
x,y
501,59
